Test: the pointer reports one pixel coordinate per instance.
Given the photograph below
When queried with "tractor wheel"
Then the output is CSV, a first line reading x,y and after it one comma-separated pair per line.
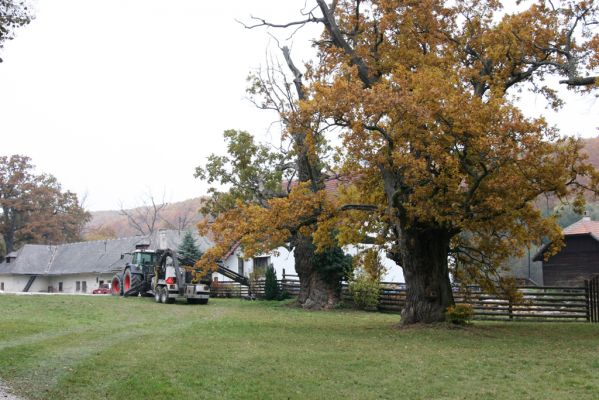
x,y
132,283
157,293
116,287
164,295
202,301
192,301
169,300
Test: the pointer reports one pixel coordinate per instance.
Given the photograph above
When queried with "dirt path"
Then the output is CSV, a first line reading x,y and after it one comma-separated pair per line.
x,y
5,394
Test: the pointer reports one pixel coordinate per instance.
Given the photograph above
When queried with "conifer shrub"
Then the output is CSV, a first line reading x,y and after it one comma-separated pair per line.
x,y
271,286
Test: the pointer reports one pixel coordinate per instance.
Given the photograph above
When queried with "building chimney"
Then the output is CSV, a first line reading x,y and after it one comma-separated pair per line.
x,y
162,239
586,216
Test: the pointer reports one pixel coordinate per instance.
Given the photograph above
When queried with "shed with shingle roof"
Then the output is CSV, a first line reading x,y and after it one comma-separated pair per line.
x,y
578,260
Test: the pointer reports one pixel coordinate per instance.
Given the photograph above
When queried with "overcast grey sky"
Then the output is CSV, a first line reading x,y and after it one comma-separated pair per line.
x,y
118,98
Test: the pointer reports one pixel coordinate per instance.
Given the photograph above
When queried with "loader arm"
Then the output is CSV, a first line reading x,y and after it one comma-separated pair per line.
x,y
229,273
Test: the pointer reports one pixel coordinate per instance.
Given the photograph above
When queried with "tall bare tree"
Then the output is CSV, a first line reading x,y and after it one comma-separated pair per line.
x,y
145,219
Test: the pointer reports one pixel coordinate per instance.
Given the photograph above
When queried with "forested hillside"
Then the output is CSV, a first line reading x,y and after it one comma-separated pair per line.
x,y
181,215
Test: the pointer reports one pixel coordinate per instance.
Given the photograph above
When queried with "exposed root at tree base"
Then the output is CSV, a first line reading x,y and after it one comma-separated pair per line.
x,y
312,306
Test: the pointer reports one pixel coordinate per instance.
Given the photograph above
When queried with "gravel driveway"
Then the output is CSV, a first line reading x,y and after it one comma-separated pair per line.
x,y
5,394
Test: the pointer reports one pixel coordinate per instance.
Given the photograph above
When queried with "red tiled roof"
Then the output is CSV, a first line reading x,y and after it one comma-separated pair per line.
x,y
231,250
331,185
583,227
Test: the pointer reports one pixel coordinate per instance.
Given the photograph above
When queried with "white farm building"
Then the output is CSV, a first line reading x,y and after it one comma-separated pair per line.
x,y
75,267
85,266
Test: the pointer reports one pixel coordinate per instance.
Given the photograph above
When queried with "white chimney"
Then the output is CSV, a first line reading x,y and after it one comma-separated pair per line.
x,y
162,239
586,216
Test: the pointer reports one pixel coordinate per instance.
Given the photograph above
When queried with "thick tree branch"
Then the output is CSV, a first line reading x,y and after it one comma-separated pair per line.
x,y
367,78
359,207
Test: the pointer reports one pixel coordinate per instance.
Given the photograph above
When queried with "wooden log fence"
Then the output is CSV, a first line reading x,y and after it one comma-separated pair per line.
x,y
543,303
592,289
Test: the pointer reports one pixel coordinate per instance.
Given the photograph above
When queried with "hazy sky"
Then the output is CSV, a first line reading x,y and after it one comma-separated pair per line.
x,y
118,98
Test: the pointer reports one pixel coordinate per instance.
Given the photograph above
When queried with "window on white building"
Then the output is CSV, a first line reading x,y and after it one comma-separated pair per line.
x,y
240,269
78,286
260,264
2,286
84,286
60,286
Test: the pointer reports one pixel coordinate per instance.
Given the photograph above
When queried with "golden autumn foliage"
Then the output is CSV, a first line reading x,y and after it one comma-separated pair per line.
x,y
442,167
259,229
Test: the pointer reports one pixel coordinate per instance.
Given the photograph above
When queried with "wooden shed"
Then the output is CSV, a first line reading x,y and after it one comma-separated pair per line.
x,y
578,260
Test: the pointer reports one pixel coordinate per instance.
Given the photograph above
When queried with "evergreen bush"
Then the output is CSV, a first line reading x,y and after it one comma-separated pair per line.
x,y
271,286
188,247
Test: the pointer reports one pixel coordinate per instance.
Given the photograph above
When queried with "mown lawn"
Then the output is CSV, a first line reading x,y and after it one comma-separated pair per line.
x,y
69,347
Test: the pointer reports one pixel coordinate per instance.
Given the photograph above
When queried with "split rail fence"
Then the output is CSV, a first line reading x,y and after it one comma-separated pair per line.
x,y
539,303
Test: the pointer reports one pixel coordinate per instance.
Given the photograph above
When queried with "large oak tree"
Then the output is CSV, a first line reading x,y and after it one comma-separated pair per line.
x,y
275,195
34,208
446,167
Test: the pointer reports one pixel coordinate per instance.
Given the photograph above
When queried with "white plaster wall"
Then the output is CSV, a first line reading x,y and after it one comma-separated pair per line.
x,y
69,282
16,283
284,260
394,272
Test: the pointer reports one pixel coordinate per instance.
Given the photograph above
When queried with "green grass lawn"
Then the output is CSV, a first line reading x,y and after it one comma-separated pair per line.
x,y
70,347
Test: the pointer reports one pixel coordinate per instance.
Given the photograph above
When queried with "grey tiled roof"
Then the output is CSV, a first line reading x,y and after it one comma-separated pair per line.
x,y
30,259
87,257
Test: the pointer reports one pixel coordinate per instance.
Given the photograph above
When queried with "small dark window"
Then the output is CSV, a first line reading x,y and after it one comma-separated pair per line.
x,y
147,258
260,264
77,286
240,265
84,286
8,260
60,286
2,286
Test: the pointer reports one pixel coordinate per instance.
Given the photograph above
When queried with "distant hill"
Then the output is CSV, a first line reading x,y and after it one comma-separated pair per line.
x,y
591,147
112,224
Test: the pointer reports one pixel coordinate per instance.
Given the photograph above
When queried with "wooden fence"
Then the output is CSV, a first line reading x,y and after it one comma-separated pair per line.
x,y
537,304
592,288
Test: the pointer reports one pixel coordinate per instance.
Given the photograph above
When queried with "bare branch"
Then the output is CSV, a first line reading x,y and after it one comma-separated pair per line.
x,y
263,22
296,73
364,73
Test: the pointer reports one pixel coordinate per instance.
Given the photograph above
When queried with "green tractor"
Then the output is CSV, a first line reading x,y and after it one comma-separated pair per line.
x,y
160,273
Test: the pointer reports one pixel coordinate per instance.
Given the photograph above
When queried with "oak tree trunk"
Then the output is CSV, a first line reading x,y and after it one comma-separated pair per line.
x,y
424,261
316,293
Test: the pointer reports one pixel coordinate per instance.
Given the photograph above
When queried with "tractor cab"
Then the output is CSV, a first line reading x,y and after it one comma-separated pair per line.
x,y
143,259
